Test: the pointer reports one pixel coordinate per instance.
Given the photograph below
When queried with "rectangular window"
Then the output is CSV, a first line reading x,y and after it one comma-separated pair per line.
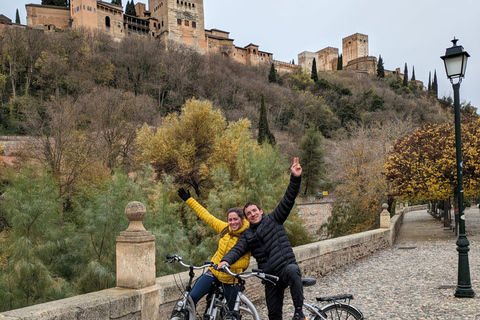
x,y
179,22
187,23
194,24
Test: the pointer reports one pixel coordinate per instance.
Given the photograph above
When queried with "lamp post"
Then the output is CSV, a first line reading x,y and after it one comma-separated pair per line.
x,y
455,60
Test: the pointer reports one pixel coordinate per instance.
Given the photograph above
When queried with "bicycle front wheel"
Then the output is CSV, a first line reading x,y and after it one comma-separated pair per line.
x,y
339,311
247,309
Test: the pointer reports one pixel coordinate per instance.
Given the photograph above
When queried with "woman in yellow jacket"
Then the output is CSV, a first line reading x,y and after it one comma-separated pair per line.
x,y
229,233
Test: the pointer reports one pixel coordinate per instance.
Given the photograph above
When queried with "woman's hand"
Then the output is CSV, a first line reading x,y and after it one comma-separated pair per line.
x,y
184,194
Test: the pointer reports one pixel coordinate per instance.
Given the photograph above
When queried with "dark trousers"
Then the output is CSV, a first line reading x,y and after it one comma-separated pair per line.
x,y
291,277
206,282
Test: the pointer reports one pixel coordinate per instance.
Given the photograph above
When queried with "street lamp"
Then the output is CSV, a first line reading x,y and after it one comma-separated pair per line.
x,y
455,60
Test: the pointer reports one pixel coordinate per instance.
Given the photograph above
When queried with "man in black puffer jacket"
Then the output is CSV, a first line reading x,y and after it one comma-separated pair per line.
x,y
268,242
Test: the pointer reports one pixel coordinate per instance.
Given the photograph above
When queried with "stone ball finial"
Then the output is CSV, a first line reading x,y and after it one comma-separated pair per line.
x,y
385,206
135,212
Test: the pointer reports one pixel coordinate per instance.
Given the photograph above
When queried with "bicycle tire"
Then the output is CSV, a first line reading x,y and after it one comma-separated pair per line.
x,y
187,313
339,311
247,309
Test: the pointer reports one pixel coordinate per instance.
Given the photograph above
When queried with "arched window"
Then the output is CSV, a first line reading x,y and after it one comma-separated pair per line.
x,y
107,22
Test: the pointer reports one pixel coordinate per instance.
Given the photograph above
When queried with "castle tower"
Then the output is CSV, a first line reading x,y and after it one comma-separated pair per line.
x,y
180,21
354,47
84,13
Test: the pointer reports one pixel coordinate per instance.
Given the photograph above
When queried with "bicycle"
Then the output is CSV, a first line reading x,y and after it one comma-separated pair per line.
x,y
336,307
217,305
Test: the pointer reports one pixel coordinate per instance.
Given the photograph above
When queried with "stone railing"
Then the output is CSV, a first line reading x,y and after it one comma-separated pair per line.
x,y
139,295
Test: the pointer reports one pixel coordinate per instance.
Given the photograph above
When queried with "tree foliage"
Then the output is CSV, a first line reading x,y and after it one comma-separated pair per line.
x,y
31,203
405,76
356,168
264,133
313,164
380,68
130,8
273,75
17,17
314,73
420,169
183,144
340,62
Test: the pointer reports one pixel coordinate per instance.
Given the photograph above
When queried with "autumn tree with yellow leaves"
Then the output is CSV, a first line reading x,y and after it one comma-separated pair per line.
x,y
423,164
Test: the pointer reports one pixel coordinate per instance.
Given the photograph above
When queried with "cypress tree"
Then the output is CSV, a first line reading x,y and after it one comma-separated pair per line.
x,y
413,74
314,74
273,76
435,84
17,18
59,3
340,62
405,76
264,133
429,81
380,68
130,8
313,163
117,2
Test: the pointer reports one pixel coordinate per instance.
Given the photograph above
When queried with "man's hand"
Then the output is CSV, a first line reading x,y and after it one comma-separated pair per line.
x,y
221,264
184,194
296,168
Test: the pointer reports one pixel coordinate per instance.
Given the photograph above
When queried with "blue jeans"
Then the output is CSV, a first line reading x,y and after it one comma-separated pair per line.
x,y
206,282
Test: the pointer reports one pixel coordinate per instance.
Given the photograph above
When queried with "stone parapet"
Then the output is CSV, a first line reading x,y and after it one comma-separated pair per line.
x,y
315,259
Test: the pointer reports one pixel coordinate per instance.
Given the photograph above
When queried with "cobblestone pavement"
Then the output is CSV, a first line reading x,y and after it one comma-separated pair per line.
x,y
415,279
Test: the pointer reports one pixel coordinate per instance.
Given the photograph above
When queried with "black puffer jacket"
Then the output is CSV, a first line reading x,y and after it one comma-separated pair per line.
x,y
267,240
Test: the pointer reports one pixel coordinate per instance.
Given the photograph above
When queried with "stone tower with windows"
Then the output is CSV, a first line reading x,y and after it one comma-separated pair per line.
x,y
181,21
354,47
84,13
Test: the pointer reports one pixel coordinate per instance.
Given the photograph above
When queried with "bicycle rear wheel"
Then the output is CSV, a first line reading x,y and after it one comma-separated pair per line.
x,y
339,311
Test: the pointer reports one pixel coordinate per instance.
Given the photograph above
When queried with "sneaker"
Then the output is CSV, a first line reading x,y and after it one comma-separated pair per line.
x,y
296,317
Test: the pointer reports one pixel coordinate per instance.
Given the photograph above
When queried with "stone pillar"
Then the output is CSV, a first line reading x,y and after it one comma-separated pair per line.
x,y
135,251
385,217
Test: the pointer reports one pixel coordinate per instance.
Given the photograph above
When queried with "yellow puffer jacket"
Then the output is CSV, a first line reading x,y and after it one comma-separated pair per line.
x,y
226,242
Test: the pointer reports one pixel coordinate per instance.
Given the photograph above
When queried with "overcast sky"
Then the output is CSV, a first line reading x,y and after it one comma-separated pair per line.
x,y
415,32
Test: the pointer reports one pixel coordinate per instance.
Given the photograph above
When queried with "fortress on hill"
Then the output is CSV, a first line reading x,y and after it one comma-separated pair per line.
x,y
179,21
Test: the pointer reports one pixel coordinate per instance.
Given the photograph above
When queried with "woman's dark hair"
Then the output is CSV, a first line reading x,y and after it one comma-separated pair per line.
x,y
237,211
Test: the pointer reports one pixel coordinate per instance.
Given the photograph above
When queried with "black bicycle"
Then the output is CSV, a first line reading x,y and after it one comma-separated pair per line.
x,y
330,308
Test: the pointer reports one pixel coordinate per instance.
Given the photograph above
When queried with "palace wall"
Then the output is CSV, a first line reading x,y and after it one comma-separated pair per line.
x,y
42,16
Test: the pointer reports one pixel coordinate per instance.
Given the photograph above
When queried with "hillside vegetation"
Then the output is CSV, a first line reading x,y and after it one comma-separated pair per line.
x,y
121,121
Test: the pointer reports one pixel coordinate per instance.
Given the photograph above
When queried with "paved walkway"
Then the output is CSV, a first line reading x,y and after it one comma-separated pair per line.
x,y
415,279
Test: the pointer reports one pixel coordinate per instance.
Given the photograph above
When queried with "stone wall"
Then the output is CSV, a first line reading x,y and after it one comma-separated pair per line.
x,y
314,212
40,15
315,260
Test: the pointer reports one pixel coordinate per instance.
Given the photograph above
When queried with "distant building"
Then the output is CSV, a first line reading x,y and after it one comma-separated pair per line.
x,y
171,21
178,21
354,56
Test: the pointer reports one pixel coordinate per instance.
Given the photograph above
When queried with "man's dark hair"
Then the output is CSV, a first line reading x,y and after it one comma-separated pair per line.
x,y
249,204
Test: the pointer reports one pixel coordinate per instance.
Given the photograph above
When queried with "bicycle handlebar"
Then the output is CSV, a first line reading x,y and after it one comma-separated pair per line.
x,y
174,257
247,274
